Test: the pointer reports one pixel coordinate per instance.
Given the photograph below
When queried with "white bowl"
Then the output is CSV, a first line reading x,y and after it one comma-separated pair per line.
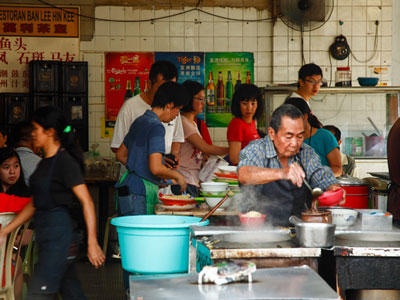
x,y
212,186
228,169
212,201
343,217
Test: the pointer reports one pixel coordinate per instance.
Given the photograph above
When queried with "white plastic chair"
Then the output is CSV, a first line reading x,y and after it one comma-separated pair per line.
x,y
6,251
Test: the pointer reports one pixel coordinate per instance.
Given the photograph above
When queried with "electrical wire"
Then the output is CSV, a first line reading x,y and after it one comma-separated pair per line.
x,y
158,18
375,46
303,61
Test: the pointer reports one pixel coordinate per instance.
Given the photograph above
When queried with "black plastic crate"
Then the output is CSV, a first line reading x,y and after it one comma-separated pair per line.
x,y
40,100
15,108
75,77
75,108
44,76
82,135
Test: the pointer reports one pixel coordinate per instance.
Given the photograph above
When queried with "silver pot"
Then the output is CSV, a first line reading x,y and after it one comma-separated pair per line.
x,y
313,235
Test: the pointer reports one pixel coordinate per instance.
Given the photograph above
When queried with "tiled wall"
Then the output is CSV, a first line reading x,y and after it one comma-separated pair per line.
x,y
276,47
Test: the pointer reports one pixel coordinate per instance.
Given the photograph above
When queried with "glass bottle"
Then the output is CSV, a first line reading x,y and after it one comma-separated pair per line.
x,y
137,90
248,78
128,93
229,92
210,93
146,86
238,81
220,92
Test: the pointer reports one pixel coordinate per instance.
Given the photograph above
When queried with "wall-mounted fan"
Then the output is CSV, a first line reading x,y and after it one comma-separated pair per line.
x,y
304,15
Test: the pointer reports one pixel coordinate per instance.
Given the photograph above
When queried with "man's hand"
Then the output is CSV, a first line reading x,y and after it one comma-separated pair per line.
x,y
182,182
172,161
294,173
335,187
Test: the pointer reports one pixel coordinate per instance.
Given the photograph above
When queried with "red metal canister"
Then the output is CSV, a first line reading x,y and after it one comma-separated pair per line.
x,y
357,191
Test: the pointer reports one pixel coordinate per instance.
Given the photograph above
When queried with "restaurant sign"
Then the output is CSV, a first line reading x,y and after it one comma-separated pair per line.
x,y
39,21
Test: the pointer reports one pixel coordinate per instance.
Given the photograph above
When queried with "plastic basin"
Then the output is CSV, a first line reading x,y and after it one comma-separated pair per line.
x,y
155,244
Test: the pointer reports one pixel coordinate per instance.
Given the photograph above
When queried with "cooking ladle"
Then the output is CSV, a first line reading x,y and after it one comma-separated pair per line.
x,y
315,192
212,210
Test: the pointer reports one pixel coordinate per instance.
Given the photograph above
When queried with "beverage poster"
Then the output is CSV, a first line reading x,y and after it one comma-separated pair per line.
x,y
190,66
224,71
126,75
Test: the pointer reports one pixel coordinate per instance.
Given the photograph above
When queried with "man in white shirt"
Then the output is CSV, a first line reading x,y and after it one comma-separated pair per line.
x,y
24,148
160,72
310,81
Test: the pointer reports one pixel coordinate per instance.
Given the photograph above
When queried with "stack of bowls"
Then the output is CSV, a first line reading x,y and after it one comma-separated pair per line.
x,y
228,174
214,192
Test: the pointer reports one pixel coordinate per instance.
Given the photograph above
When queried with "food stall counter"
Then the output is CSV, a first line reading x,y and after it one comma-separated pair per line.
x,y
274,283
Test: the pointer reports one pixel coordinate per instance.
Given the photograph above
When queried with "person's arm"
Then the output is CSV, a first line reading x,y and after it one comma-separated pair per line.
x,y
158,169
19,219
250,175
335,162
95,254
122,154
200,144
234,150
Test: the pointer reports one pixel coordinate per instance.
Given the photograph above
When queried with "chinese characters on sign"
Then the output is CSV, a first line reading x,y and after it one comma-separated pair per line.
x,y
26,34
17,52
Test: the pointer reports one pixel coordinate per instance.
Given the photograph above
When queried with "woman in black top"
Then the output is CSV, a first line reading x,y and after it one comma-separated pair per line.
x,y
55,184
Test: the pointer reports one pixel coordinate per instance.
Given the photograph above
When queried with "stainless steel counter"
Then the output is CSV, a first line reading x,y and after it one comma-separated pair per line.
x,y
276,283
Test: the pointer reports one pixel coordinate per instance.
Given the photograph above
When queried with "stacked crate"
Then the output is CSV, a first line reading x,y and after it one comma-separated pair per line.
x,y
64,85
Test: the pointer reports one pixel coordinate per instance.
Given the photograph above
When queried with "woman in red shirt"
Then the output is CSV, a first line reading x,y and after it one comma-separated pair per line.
x,y
247,105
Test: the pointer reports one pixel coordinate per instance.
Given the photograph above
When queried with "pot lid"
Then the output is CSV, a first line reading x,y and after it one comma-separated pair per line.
x,y
349,180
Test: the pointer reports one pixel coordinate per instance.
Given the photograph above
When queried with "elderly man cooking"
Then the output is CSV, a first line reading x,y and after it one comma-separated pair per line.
x,y
272,169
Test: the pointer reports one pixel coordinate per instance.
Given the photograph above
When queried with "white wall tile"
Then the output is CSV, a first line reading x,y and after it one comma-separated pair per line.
x,y
102,12
132,29
179,16
176,29
221,29
117,44
235,44
206,29
220,11
161,29
280,44
117,29
359,28
264,44
147,43
250,13
250,44
359,13
235,29
132,43
220,44
146,14
206,44
192,15
161,44
191,44
191,29
344,14
386,13
264,58
102,28
102,43
117,13
177,44
206,17
280,58
161,13
146,29
235,13
374,13
250,28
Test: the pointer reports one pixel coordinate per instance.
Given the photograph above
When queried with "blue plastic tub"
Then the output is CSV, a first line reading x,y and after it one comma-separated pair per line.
x,y
155,244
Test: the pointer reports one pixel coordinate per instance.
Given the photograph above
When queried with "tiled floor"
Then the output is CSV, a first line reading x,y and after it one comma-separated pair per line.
x,y
105,283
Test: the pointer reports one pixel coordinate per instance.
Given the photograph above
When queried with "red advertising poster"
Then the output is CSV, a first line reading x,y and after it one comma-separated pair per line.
x,y
126,75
